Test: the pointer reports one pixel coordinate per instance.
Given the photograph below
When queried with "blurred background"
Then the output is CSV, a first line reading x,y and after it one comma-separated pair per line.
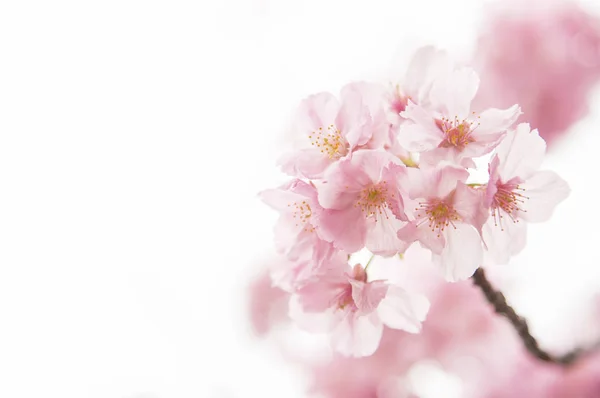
x,y
135,136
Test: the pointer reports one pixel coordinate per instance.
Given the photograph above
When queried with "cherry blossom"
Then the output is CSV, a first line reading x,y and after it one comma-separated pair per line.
x,y
378,170
447,130
362,198
446,218
354,310
518,192
327,129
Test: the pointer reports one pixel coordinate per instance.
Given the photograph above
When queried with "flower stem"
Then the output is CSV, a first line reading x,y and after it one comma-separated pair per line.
x,y
369,262
498,301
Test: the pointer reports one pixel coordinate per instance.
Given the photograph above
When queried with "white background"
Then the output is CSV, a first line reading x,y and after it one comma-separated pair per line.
x,y
134,136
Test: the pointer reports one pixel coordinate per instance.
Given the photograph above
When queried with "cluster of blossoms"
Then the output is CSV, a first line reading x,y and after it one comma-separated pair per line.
x,y
383,167
464,349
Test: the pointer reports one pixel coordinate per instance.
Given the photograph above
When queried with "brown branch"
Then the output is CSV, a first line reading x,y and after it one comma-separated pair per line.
x,y
498,301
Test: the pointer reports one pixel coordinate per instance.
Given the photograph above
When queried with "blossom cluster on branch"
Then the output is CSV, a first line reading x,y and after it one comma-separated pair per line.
x,y
381,167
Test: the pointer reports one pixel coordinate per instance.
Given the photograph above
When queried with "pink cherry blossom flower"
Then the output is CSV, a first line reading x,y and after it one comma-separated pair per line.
x,y
517,192
446,217
362,197
297,234
354,310
447,130
327,130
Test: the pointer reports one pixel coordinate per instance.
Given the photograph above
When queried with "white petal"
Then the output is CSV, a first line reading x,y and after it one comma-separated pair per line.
x,y
357,336
382,235
504,240
463,252
402,310
454,92
426,64
520,153
497,120
544,190
315,322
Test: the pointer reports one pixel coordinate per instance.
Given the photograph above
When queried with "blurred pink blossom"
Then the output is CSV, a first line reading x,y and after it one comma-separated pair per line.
x,y
543,55
267,304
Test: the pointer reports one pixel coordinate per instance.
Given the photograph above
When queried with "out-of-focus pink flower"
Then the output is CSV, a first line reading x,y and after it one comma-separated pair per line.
x,y
582,380
362,197
267,304
376,376
518,192
530,378
445,219
462,334
354,310
447,129
327,130
543,55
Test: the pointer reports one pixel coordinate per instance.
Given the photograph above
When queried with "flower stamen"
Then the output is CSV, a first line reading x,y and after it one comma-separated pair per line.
x,y
457,133
301,213
508,200
330,142
438,213
373,201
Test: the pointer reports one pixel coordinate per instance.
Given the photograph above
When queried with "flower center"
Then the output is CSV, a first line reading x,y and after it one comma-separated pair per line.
x,y
344,298
438,213
398,101
509,199
457,133
330,142
301,212
373,200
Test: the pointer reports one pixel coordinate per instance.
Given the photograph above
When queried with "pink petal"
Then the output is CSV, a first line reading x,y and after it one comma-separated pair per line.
x,y
427,63
357,336
397,181
367,296
435,183
422,133
453,93
469,203
364,115
544,190
382,238
496,120
520,153
288,234
354,119
484,143
462,254
280,198
307,163
491,187
343,182
345,228
316,322
422,233
402,310
503,242
430,239
318,110
372,163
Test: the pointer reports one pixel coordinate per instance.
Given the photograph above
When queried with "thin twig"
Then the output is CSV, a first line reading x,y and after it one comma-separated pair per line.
x,y
498,301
